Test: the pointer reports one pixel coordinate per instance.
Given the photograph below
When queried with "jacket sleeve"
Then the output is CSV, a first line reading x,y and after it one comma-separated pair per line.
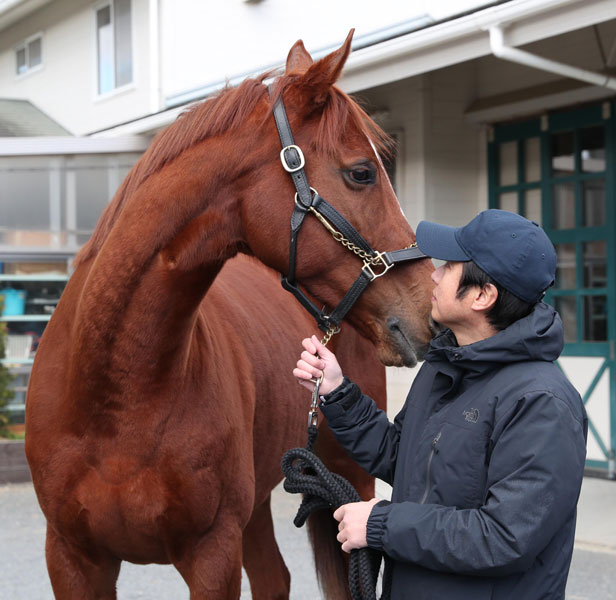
x,y
364,431
534,479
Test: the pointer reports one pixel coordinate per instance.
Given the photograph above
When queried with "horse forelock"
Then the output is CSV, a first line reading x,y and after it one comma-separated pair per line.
x,y
224,112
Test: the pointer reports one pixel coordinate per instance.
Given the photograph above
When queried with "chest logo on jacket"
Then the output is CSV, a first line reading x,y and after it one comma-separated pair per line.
x,y
471,415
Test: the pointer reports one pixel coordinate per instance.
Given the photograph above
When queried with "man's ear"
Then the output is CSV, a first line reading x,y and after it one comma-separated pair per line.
x,y
485,297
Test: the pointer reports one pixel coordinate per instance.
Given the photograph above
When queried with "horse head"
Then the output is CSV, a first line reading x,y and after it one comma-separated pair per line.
x,y
341,146
212,184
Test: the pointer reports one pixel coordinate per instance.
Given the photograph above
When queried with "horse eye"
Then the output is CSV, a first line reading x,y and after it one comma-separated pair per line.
x,y
362,174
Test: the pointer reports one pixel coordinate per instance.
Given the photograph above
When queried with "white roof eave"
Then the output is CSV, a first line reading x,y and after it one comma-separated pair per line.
x,y
12,11
466,38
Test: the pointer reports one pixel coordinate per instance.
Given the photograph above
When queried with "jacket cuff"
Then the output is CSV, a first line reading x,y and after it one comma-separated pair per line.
x,y
346,394
375,528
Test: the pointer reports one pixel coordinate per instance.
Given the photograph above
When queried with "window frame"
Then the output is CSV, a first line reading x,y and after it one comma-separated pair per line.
x,y
115,89
25,46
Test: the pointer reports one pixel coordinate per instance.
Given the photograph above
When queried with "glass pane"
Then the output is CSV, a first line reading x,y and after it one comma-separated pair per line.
x,y
24,193
34,53
532,160
532,205
592,149
565,305
123,45
97,178
563,161
563,212
508,163
565,266
593,198
91,189
595,318
595,264
105,50
508,201
21,61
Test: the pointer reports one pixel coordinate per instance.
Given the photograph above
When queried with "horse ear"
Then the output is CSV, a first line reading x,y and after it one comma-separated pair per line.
x,y
298,60
325,72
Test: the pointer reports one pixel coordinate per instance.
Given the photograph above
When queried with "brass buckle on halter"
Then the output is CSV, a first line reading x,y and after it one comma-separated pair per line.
x,y
367,268
283,158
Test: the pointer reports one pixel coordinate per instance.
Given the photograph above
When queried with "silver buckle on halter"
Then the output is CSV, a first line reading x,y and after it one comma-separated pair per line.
x,y
367,268
286,165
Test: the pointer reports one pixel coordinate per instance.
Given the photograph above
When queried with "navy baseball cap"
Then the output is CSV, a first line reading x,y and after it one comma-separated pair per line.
x,y
512,250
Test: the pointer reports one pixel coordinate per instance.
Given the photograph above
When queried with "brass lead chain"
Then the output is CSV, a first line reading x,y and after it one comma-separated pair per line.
x,y
373,260
369,258
333,330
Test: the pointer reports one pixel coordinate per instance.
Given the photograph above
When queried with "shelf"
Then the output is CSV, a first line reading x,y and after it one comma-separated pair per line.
x,y
17,278
8,318
17,361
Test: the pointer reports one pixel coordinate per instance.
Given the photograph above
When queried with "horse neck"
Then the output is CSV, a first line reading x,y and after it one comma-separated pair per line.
x,y
139,300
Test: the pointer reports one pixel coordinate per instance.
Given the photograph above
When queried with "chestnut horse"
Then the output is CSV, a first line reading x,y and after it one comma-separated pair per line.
x,y
161,400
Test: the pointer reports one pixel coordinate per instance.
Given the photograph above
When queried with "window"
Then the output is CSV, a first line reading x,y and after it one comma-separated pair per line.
x,y
114,45
28,54
558,174
55,201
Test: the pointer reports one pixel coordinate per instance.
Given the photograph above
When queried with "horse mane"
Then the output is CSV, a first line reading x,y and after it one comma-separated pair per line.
x,y
221,113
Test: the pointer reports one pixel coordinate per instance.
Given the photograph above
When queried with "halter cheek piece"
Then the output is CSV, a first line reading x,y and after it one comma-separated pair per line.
x,y
308,200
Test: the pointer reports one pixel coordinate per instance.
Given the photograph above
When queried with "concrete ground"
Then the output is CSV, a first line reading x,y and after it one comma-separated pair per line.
x,y
22,535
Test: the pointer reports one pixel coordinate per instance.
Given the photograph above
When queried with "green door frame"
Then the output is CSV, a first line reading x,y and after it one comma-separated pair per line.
x,y
573,120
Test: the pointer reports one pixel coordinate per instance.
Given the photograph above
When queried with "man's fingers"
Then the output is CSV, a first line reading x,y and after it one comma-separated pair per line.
x,y
320,349
302,365
339,513
312,360
309,346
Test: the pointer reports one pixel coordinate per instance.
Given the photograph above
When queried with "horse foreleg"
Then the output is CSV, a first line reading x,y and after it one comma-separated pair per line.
x,y
212,565
268,575
76,576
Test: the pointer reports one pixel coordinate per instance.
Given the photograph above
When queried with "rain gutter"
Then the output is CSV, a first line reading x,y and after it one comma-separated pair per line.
x,y
501,50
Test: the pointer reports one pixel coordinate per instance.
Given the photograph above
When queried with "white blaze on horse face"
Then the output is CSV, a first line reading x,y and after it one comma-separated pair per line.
x,y
384,174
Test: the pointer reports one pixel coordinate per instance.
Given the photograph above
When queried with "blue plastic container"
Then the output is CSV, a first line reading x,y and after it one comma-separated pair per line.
x,y
14,302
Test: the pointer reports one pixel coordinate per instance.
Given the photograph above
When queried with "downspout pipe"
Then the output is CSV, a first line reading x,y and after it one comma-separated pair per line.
x,y
501,50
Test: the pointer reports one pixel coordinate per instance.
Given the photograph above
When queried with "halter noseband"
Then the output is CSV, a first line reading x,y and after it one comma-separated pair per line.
x,y
308,200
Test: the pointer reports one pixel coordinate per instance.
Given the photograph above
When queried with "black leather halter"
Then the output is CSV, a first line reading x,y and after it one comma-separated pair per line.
x,y
308,200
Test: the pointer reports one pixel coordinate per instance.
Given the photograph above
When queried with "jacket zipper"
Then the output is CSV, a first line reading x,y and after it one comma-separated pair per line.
x,y
432,452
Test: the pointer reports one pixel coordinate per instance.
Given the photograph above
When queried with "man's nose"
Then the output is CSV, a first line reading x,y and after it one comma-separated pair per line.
x,y
436,275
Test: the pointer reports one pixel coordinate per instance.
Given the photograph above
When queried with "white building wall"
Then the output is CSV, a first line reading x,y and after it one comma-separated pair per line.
x,y
66,86
452,148
399,109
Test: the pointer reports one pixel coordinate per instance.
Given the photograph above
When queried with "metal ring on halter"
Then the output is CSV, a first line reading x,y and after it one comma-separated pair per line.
x,y
298,203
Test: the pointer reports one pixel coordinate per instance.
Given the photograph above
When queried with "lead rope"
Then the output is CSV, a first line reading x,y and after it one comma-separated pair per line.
x,y
306,474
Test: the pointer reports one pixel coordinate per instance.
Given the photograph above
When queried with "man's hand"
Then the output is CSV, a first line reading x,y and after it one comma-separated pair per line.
x,y
315,360
352,521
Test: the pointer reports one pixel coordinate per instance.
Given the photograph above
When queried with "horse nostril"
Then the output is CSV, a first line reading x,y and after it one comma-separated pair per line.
x,y
393,324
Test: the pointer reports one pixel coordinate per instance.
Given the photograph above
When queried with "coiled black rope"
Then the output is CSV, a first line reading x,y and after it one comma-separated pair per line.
x,y
306,474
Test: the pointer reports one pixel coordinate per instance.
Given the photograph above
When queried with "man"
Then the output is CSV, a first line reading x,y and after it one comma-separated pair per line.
x,y
487,455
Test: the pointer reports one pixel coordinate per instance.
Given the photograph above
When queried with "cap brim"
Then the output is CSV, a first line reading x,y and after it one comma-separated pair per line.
x,y
439,241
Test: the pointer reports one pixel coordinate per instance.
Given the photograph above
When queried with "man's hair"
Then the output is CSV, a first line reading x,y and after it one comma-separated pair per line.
x,y
507,309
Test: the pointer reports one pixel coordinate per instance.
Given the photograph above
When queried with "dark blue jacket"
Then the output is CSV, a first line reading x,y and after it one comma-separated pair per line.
x,y
486,461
